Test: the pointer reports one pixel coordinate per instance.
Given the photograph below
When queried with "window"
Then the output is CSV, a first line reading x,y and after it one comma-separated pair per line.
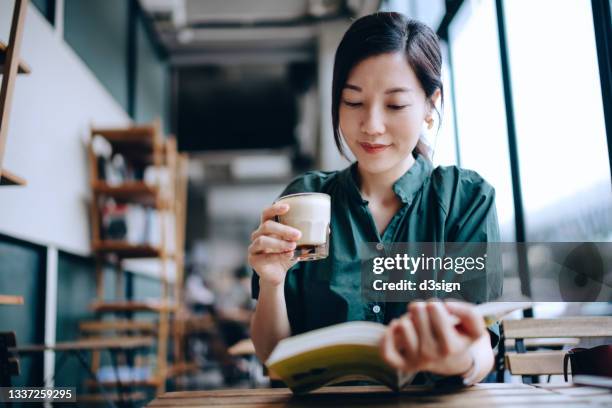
x,y
443,141
559,119
480,110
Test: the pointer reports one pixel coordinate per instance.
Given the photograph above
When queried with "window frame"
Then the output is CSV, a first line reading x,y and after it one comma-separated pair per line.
x,y
603,36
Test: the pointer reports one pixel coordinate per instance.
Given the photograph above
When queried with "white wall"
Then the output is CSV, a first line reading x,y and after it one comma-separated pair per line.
x,y
52,110
330,34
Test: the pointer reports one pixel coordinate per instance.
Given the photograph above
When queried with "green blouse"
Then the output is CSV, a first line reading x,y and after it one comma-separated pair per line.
x,y
445,204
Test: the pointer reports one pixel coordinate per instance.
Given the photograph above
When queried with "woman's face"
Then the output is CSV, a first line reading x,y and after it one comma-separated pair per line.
x,y
382,111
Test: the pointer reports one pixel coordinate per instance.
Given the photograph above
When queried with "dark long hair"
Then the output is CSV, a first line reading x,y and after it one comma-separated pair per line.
x,y
388,32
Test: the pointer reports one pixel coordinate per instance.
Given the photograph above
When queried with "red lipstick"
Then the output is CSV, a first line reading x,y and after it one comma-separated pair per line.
x,y
373,148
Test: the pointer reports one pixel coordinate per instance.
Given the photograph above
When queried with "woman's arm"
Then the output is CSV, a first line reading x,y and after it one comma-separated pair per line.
x,y
480,350
483,357
270,323
270,256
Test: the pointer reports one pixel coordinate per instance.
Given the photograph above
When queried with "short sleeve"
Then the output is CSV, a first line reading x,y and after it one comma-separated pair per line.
x,y
469,203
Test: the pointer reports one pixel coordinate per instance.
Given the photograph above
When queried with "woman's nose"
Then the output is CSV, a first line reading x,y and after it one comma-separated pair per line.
x,y
373,122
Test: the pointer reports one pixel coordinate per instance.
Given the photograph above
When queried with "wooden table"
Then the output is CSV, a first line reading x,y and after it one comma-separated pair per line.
x,y
480,395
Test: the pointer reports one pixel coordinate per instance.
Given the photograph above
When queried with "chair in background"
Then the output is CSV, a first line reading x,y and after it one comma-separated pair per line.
x,y
531,333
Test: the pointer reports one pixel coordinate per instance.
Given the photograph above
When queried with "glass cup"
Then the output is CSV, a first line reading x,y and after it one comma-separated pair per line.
x,y
310,213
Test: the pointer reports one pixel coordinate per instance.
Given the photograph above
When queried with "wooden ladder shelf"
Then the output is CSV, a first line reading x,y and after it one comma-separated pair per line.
x,y
11,65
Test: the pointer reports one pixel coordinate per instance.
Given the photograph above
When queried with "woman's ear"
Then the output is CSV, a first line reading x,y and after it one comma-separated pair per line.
x,y
431,107
434,98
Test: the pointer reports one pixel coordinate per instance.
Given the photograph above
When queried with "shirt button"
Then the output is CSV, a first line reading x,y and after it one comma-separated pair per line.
x,y
376,309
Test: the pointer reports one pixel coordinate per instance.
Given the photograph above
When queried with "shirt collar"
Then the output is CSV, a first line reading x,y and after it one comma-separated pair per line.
x,y
405,187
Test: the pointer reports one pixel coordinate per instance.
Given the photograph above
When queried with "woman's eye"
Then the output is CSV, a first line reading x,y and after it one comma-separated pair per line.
x,y
396,107
352,104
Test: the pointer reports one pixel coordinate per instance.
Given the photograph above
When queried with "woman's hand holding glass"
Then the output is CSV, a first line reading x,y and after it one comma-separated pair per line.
x,y
272,245
434,337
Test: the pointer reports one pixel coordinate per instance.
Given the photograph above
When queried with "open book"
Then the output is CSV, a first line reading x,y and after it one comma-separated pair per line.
x,y
349,351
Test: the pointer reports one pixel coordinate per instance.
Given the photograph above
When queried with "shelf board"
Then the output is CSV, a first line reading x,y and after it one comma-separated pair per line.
x,y
10,179
134,192
126,250
181,368
131,306
23,67
139,138
91,343
199,324
11,300
98,326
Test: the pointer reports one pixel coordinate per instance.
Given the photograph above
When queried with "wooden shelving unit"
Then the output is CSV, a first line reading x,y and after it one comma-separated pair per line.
x,y
115,325
125,250
140,137
131,306
141,146
10,67
181,368
23,68
10,179
135,191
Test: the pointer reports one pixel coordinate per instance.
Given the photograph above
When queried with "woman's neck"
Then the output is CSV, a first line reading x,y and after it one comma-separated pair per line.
x,y
379,186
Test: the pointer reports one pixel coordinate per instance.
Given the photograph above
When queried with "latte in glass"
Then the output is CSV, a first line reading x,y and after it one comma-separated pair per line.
x,y
310,213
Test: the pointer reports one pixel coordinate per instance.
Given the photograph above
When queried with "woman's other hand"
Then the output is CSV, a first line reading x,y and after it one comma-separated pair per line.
x,y
435,337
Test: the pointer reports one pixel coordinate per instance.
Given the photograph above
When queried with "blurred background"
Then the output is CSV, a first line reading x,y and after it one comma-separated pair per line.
x,y
244,87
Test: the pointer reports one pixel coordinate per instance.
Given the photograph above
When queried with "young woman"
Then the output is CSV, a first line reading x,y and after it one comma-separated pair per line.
x,y
385,86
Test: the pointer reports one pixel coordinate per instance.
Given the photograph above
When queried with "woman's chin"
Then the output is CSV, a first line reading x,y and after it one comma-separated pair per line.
x,y
375,167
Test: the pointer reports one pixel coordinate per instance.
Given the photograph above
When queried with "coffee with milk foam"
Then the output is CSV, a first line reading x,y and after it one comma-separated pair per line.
x,y
310,213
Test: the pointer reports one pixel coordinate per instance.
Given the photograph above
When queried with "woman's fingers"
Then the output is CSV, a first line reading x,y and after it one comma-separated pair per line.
x,y
264,244
427,343
272,236
442,327
388,348
269,258
409,343
277,229
427,338
471,323
272,211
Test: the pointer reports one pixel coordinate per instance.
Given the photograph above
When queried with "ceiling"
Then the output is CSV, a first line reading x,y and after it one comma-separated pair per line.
x,y
200,32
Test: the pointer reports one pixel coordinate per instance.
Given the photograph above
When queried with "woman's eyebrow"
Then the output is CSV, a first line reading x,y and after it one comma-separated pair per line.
x,y
388,91
353,87
398,89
